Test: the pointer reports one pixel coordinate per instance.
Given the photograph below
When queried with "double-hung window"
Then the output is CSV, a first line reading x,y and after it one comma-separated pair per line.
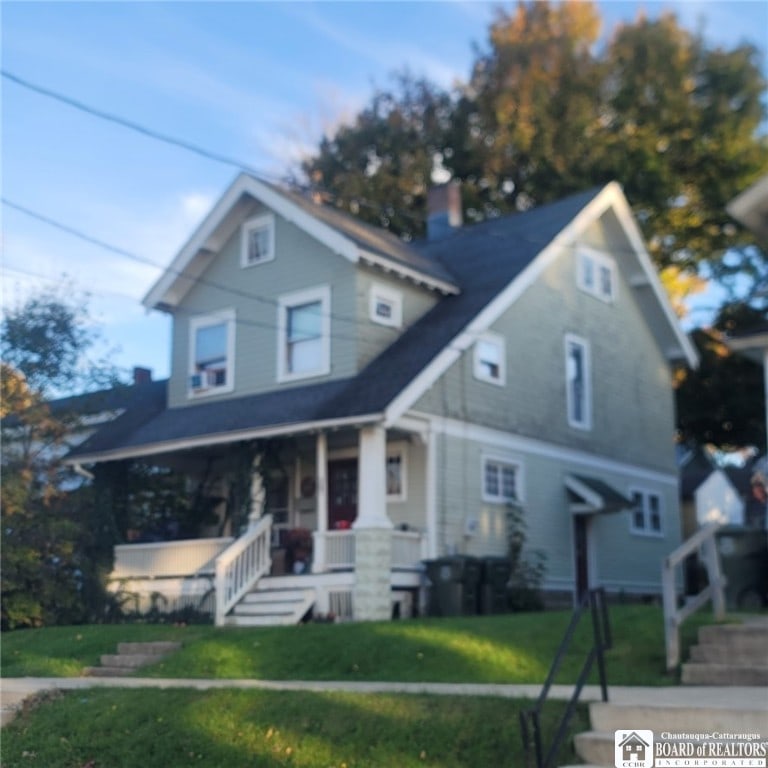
x,y
304,334
257,243
212,353
596,274
490,359
578,382
646,513
501,480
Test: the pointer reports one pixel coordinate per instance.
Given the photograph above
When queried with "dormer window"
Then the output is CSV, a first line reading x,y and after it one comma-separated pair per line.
x,y
212,354
596,274
386,306
258,241
490,359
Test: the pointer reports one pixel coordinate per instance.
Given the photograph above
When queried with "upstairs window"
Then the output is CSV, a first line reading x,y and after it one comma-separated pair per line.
x,y
386,306
501,481
211,353
596,274
490,359
646,513
257,245
304,334
578,382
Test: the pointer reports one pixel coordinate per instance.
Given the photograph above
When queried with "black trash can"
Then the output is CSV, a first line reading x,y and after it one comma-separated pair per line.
x,y
493,590
454,581
744,562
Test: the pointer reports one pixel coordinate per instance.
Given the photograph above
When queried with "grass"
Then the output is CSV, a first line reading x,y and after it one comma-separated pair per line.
x,y
513,648
114,728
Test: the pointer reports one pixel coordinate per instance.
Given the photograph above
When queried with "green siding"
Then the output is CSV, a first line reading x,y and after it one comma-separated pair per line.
x,y
632,400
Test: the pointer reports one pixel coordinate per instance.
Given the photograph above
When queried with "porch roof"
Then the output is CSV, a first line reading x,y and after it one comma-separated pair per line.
x,y
485,258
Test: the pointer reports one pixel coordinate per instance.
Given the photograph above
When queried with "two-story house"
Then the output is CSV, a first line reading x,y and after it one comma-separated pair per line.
x,y
412,392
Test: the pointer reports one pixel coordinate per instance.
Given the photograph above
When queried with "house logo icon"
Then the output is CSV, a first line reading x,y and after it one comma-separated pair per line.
x,y
633,749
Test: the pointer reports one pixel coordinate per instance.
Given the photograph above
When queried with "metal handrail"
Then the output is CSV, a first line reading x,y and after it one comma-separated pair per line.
x,y
530,719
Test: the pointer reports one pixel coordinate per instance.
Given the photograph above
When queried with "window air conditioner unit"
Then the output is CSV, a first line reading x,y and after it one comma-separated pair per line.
x,y
198,381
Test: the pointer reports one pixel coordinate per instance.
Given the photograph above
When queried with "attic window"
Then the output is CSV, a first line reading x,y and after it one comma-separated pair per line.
x,y
386,306
489,359
258,241
596,274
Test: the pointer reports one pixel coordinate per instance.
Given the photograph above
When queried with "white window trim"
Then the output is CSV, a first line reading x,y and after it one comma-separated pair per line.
x,y
645,493
586,423
599,260
322,294
399,451
494,458
264,220
379,292
478,372
201,321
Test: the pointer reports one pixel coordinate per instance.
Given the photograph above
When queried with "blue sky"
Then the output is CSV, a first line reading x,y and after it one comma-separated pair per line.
x,y
255,81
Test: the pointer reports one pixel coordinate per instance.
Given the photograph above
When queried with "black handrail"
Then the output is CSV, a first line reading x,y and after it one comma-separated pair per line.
x,y
530,719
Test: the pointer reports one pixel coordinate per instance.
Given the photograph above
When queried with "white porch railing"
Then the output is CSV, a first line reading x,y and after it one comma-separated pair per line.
x,y
335,550
241,565
408,549
163,559
704,542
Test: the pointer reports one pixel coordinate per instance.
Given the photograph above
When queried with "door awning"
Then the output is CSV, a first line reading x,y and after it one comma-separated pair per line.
x,y
590,495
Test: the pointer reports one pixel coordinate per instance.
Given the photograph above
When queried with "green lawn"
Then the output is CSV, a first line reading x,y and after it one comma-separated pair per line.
x,y
514,648
114,728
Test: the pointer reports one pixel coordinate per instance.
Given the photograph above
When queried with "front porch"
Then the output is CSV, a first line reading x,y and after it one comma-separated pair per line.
x,y
244,581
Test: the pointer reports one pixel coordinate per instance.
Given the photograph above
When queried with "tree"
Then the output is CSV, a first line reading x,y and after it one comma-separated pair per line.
x,y
49,568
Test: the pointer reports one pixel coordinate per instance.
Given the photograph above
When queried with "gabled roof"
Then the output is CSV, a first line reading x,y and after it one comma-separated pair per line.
x,y
340,232
507,255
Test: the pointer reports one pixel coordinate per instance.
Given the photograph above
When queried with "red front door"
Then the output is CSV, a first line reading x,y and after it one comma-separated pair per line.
x,y
342,493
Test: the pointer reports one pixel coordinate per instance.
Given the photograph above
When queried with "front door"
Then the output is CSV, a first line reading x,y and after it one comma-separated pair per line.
x,y
342,493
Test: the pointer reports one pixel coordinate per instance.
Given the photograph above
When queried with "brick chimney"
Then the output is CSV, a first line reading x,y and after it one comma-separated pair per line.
x,y
443,210
142,375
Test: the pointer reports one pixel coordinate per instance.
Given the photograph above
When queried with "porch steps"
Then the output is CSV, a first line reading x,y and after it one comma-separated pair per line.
x,y
130,657
270,606
729,654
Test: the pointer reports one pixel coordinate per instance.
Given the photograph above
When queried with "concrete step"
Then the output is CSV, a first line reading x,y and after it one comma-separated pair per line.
x,y
107,671
271,620
707,717
157,647
734,636
272,607
753,651
130,660
695,673
595,747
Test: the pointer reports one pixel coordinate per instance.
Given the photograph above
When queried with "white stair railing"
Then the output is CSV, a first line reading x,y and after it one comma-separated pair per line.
x,y
704,542
241,565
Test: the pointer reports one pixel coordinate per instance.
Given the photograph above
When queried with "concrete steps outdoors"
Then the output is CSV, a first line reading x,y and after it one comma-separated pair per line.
x,y
729,654
130,657
265,606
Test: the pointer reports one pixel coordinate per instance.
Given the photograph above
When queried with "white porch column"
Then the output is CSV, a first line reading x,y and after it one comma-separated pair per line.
x,y
372,598
321,492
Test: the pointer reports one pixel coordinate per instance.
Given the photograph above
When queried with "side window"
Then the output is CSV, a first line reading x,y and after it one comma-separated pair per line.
x,y
501,480
578,382
395,475
304,342
211,356
257,243
647,513
489,362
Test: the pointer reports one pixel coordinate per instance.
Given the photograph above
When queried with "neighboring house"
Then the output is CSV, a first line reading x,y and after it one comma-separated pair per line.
x,y
708,493
408,395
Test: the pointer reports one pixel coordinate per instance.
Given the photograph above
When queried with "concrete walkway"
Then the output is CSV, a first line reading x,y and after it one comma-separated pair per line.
x,y
14,690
